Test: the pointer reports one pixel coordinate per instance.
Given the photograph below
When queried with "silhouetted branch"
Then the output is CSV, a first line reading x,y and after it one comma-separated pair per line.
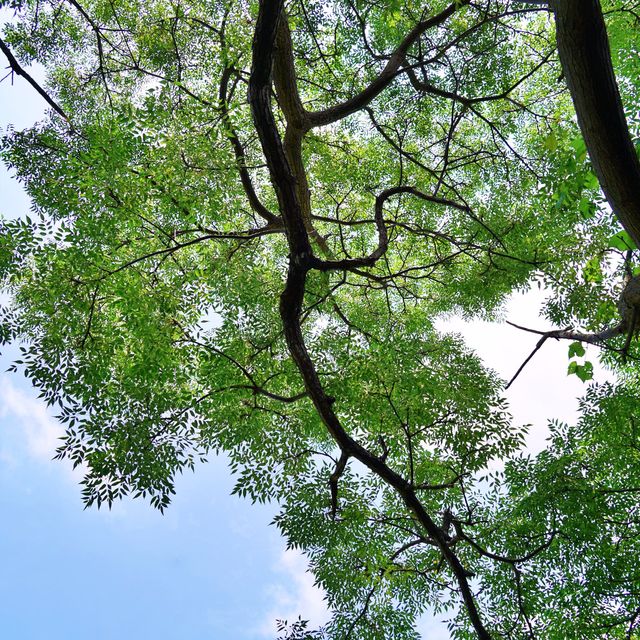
x,y
16,68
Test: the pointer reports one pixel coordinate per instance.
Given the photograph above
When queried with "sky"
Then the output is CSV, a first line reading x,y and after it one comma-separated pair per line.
x,y
212,567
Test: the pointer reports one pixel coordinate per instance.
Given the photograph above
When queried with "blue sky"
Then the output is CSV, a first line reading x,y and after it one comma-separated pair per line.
x,y
211,567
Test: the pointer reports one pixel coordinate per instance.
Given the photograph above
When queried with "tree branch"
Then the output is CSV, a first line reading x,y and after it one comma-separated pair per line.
x,y
333,482
386,76
238,150
566,334
15,67
300,260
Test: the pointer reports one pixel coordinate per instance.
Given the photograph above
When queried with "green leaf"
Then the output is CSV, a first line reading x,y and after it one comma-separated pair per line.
x,y
576,349
592,271
583,371
551,142
590,181
580,148
621,241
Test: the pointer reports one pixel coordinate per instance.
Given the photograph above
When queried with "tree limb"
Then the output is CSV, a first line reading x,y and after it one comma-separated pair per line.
x,y
238,150
566,334
291,299
19,71
386,76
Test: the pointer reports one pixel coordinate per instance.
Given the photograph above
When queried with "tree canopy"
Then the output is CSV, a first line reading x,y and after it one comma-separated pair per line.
x,y
247,219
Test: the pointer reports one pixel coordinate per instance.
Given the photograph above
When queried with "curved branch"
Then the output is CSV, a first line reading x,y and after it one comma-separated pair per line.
x,y
499,558
238,150
386,76
292,297
383,236
428,87
211,235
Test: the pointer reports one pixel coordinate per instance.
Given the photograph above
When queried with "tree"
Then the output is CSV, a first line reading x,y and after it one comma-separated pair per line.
x,y
248,218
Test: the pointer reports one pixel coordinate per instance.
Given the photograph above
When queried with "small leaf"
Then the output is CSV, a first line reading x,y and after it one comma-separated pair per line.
x,y
590,181
592,271
585,372
551,142
580,148
576,349
586,208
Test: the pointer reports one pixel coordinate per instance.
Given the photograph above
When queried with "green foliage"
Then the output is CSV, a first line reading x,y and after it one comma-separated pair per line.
x,y
583,371
583,487
144,289
622,241
576,349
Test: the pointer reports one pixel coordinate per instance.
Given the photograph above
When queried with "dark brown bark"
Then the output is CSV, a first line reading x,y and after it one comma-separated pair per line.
x,y
586,61
286,85
300,262
282,177
238,151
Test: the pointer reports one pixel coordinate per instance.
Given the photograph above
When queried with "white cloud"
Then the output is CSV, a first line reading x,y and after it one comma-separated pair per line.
x,y
294,596
39,430
431,627
542,391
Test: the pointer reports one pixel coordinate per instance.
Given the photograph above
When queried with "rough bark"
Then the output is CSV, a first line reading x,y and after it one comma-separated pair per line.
x,y
586,61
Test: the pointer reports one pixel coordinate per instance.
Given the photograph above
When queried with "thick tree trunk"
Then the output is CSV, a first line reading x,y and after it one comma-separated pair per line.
x,y
586,60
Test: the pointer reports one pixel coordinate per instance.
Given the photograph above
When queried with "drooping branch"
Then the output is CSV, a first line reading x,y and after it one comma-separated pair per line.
x,y
496,556
177,246
429,87
238,150
586,61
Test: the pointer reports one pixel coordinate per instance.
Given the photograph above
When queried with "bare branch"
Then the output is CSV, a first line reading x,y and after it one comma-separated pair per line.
x,y
566,334
16,68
